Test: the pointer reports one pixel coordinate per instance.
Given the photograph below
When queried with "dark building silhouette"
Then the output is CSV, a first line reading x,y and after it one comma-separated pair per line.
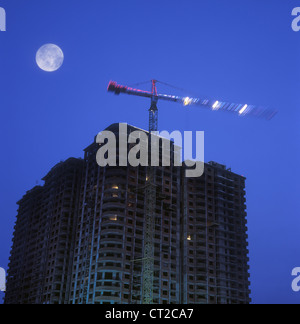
x,y
79,238
41,256
214,241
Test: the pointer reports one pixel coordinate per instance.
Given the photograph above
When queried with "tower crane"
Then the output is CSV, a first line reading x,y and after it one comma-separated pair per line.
x,y
150,192
239,109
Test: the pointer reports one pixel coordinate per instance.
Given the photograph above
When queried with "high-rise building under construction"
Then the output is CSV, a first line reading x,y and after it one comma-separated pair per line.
x,y
79,238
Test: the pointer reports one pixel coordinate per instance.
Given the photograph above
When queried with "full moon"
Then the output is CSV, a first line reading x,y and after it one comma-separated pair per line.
x,y
49,57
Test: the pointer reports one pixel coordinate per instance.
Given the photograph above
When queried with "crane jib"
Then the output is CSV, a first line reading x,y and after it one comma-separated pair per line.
x,y
238,109
118,89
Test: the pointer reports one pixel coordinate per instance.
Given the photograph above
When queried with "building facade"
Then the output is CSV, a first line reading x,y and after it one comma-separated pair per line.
x,y
81,236
41,256
107,263
214,241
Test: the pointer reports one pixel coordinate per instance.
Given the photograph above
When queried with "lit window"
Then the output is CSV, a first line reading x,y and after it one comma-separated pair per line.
x,y
113,218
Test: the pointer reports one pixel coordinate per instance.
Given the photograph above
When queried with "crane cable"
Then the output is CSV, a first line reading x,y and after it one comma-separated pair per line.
x,y
167,85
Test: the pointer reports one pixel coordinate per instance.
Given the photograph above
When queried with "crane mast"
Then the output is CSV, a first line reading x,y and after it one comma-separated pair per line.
x,y
153,111
150,203
150,191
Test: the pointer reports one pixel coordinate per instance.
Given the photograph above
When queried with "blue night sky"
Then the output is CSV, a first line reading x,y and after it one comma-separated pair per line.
x,y
239,51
